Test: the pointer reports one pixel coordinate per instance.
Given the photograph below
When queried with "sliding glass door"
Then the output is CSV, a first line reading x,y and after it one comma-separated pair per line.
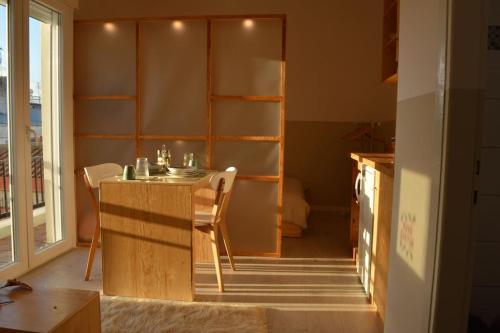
x,y
8,232
34,227
46,229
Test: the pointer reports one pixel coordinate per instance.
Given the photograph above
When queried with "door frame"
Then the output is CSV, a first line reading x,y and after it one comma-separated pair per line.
x,y
21,211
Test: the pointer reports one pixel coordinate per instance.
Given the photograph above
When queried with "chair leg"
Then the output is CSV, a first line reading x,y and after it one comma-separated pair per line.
x,y
93,246
227,243
214,239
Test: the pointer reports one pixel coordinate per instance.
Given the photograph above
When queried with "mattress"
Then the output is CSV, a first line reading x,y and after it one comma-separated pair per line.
x,y
295,207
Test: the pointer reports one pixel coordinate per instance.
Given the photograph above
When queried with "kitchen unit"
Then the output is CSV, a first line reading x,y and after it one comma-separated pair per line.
x,y
370,225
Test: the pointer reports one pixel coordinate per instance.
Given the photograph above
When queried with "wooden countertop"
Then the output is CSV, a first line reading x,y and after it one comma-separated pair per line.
x,y
382,162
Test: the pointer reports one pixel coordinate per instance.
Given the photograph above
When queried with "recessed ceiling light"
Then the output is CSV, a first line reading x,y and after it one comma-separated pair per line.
x,y
109,27
248,23
178,25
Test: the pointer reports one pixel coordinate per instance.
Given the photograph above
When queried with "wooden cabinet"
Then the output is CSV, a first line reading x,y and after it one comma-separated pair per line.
x,y
371,214
390,40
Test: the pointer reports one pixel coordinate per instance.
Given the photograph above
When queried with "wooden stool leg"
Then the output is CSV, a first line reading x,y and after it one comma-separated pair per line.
x,y
93,246
214,239
227,243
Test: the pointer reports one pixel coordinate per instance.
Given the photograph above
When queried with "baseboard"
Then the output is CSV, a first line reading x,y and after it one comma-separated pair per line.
x,y
331,209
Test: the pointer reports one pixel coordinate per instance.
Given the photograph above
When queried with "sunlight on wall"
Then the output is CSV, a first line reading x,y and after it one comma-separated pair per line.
x,y
413,217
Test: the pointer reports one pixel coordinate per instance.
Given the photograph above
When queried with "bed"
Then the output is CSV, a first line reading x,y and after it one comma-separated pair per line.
x,y
295,208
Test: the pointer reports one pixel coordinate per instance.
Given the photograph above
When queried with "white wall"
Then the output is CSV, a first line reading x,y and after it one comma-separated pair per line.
x,y
419,137
334,50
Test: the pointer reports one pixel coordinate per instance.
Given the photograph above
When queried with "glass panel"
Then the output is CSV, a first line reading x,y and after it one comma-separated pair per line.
x,y
253,211
177,149
247,57
250,158
106,62
45,124
246,118
105,117
90,152
174,54
6,219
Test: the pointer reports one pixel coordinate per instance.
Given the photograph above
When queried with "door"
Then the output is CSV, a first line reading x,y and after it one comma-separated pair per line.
x,y
43,123
366,202
32,227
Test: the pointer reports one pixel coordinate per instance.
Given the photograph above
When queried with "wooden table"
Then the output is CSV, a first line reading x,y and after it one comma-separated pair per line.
x,y
148,239
51,310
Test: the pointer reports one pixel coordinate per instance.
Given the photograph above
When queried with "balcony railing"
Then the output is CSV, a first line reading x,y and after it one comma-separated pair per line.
x,y
37,183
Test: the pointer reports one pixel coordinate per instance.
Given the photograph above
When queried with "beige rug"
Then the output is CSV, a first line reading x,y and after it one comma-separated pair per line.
x,y
122,314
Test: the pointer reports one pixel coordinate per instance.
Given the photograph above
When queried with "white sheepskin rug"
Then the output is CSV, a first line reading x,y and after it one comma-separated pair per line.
x,y
123,314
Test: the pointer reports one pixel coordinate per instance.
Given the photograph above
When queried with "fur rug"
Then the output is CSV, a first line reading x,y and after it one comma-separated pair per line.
x,y
123,314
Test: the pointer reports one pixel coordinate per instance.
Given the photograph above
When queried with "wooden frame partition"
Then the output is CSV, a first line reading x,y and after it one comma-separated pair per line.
x,y
210,139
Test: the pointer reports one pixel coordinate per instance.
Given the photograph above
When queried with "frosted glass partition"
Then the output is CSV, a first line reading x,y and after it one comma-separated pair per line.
x,y
174,77
105,58
177,149
96,151
158,71
247,57
101,117
251,158
252,216
242,118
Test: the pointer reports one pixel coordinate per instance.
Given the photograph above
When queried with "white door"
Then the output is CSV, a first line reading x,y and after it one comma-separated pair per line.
x,y
34,227
366,201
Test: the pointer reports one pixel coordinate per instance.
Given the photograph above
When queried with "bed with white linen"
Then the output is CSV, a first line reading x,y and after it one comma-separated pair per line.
x,y
295,208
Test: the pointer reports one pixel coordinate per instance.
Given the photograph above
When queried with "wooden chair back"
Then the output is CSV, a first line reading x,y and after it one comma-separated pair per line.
x,y
96,173
222,184
92,177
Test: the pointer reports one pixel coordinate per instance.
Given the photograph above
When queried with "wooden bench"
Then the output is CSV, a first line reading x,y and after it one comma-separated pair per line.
x,y
51,310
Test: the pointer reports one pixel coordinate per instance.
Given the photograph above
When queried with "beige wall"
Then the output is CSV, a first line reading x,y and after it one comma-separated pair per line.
x,y
333,52
316,153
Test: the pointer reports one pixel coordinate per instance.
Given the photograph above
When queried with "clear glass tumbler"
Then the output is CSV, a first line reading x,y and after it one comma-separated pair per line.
x,y
142,167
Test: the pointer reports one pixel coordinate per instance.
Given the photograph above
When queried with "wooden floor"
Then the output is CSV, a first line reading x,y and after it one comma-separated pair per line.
x,y
312,288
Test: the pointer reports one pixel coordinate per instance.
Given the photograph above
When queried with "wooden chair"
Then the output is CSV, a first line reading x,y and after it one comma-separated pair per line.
x,y
92,177
212,222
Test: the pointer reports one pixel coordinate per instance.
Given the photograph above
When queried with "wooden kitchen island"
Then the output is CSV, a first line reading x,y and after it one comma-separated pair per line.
x,y
148,242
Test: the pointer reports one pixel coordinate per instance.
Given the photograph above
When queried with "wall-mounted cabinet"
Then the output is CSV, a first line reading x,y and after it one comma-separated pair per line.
x,y
390,40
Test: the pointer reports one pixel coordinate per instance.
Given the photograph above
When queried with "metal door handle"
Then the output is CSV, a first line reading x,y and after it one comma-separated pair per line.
x,y
357,189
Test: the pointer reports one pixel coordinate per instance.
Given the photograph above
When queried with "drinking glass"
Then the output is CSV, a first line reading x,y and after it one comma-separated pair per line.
x,y
142,168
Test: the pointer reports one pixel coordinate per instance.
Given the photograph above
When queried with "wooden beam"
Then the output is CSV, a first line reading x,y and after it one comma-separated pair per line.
x,y
270,179
173,137
105,98
105,136
184,18
209,148
279,234
248,98
138,83
247,138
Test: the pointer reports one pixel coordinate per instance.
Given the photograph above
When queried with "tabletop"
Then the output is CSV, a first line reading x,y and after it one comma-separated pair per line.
x,y
165,180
